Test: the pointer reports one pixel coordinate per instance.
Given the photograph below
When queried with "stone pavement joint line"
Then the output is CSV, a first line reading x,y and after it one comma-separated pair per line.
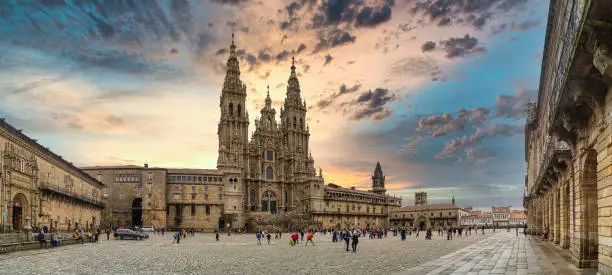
x,y
502,253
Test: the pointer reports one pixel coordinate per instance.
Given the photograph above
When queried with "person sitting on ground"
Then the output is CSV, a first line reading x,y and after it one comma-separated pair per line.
x,y
57,239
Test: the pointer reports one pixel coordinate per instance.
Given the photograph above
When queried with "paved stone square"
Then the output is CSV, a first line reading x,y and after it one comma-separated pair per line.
x,y
503,253
239,254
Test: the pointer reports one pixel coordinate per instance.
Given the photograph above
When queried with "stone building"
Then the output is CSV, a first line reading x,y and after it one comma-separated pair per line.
x,y
133,195
41,189
501,215
267,181
517,218
351,208
567,134
477,218
423,215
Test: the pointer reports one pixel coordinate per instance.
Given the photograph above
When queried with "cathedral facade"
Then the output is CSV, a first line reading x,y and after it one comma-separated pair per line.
x,y
263,181
274,168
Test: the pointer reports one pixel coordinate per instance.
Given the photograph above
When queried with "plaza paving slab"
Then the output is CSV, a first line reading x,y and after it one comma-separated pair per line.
x,y
239,254
503,253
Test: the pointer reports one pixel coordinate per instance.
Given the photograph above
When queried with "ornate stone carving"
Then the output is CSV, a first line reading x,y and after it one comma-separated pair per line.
x,y
601,60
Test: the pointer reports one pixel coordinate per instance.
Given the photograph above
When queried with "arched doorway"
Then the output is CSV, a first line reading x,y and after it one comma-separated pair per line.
x,y
421,223
19,204
137,212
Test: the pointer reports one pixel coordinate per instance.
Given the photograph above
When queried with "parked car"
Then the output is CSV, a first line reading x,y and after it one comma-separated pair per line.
x,y
148,229
129,234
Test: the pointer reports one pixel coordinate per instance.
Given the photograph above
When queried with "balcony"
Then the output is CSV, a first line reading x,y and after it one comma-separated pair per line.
x,y
557,154
63,191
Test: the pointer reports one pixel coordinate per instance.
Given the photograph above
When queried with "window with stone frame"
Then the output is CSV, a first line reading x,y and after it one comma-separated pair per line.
x,y
193,210
269,173
208,210
270,155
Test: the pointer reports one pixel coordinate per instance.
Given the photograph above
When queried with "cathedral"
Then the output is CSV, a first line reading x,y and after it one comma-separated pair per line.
x,y
275,166
265,181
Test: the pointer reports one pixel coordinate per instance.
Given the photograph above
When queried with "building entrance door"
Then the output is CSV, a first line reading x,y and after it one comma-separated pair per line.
x,y
137,212
17,213
221,223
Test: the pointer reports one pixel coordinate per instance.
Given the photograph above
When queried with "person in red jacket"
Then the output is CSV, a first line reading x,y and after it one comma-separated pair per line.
x,y
294,237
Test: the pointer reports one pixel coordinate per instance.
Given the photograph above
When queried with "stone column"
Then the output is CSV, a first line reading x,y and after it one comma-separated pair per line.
x,y
557,214
564,216
539,211
551,215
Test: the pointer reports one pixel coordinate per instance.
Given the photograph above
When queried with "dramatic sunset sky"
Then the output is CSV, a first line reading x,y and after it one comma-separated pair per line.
x,y
433,89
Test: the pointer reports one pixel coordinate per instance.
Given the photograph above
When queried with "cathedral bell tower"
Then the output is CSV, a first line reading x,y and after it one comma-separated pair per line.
x,y
293,124
233,125
378,181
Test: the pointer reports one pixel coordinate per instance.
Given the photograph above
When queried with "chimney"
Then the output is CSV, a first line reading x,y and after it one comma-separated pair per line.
x,y
146,165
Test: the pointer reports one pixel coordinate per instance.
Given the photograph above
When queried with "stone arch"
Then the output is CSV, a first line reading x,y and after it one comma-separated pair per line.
x,y
239,110
20,209
137,212
231,109
587,215
294,122
422,222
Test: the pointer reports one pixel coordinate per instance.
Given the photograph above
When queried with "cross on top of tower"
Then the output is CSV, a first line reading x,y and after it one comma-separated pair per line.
x,y
232,38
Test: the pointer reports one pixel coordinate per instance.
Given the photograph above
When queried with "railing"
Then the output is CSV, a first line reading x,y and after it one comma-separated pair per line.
x,y
64,191
568,40
552,147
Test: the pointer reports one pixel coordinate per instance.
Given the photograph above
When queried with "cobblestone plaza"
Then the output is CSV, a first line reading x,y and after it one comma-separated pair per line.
x,y
499,253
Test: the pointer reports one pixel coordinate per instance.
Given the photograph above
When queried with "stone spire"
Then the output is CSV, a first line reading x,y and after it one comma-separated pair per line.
x,y
293,86
378,171
232,75
378,180
268,99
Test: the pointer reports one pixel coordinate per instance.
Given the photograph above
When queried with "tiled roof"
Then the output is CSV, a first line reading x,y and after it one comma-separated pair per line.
x,y
504,209
114,167
194,171
518,215
427,207
334,187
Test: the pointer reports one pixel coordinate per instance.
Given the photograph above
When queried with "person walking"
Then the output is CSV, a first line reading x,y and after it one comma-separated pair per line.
x,y
258,238
268,236
347,238
294,239
309,238
107,234
217,235
355,241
